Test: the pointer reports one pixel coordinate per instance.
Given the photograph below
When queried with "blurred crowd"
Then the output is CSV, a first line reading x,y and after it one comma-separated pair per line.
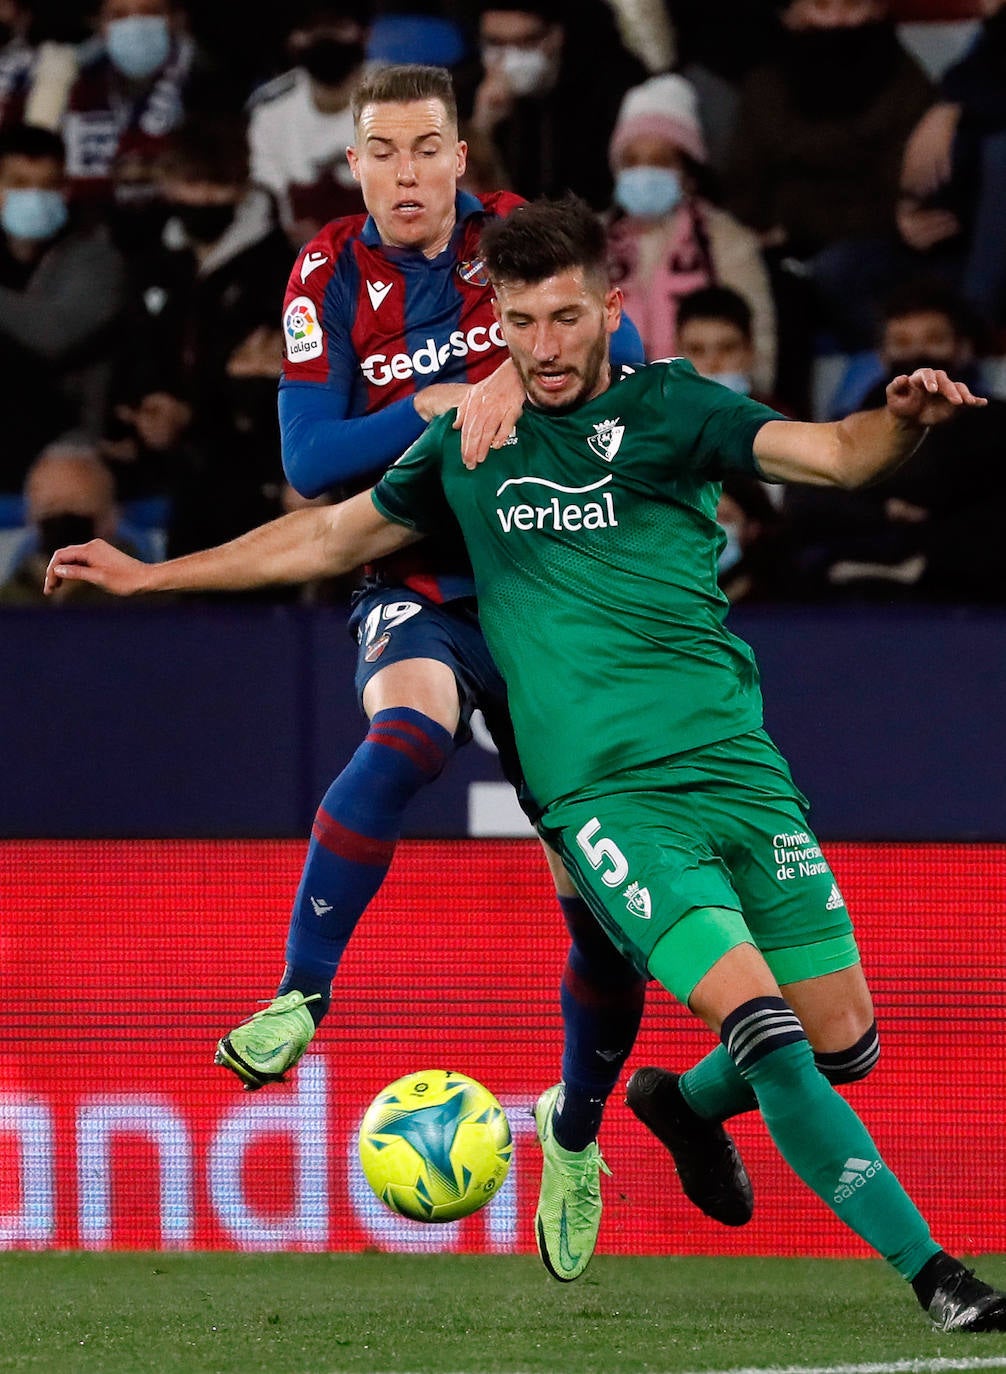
x,y
795,201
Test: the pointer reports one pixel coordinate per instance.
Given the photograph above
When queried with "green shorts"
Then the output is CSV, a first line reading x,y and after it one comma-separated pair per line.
x,y
720,827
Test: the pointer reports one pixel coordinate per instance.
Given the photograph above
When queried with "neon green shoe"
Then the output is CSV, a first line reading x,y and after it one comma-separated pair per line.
x,y
569,1204
263,1048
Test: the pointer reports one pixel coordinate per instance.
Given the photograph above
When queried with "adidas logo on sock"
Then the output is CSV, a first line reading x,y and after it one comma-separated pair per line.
x,y
835,899
855,1173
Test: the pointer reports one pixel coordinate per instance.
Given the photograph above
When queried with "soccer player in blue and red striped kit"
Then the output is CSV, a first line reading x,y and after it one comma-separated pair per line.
x,y
388,322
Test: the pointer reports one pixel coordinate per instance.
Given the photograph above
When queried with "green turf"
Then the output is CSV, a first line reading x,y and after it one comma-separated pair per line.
x,y
317,1314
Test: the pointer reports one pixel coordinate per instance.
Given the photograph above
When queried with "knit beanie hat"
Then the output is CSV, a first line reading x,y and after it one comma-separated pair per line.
x,y
665,106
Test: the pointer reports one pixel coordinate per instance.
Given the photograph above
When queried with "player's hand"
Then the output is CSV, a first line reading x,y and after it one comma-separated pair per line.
x,y
98,563
488,413
929,397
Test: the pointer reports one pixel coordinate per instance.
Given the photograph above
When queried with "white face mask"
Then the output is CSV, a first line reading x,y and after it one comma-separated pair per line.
x,y
528,71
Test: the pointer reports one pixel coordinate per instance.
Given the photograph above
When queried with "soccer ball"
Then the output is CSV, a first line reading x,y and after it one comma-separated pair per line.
x,y
435,1146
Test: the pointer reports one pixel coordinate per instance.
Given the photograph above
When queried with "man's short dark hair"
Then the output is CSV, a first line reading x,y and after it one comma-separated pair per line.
x,y
212,148
544,238
403,83
549,11
28,140
929,295
715,303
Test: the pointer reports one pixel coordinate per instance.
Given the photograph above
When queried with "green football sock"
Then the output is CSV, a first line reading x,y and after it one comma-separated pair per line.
x,y
715,1089
823,1140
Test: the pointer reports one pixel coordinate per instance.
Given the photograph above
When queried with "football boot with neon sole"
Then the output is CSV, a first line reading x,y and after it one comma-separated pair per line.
x,y
706,1159
568,1217
266,1046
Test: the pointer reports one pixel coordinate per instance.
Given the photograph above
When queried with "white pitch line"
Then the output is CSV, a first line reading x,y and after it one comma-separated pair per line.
x,y
920,1366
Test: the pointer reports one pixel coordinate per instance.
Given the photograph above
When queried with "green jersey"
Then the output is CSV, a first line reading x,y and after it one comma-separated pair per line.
x,y
594,543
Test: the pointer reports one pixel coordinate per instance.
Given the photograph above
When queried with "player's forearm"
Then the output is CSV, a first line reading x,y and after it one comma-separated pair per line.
x,y
295,548
320,451
871,443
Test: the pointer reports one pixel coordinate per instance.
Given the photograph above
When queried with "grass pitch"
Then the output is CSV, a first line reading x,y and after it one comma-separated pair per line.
x,y
128,1313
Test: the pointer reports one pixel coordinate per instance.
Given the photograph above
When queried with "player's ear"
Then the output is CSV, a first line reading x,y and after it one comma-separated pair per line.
x,y
353,159
462,158
613,309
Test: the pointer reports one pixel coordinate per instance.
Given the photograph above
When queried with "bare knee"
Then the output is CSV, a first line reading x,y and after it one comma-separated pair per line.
x,y
837,1013
422,684
853,1063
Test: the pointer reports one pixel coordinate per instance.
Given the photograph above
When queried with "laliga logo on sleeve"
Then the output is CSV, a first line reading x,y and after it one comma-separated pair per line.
x,y
606,439
304,335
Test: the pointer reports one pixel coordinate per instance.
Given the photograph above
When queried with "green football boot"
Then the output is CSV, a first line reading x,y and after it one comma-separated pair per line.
x,y
263,1048
569,1204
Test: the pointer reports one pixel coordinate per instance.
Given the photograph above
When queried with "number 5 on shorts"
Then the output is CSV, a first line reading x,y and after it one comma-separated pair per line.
x,y
603,849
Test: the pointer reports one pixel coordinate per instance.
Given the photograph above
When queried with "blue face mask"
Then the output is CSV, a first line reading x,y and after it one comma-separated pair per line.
x,y
736,381
732,552
138,46
30,213
648,192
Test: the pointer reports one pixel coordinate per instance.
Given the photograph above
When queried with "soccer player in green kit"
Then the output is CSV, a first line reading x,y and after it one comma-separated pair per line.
x,y
593,537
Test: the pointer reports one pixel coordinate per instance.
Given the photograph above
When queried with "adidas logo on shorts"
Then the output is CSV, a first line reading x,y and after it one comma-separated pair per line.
x,y
835,899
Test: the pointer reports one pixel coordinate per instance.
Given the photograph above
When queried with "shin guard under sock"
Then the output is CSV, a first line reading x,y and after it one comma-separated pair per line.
x,y
353,842
820,1136
602,998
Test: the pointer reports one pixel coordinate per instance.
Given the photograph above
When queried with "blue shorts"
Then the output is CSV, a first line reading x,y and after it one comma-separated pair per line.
x,y
394,624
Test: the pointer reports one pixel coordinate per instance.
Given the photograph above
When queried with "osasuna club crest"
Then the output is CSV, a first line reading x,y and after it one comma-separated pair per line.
x,y
606,439
637,899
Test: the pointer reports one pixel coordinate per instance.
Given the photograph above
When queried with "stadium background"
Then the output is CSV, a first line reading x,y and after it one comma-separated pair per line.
x,y
161,769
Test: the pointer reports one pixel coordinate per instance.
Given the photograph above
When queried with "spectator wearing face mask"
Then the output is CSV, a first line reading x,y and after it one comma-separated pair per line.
x,y
932,530
69,497
134,82
715,335
665,237
530,99
202,293
62,292
300,124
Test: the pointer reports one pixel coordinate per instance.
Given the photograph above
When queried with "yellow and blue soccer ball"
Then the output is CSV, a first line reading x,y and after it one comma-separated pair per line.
x,y
435,1146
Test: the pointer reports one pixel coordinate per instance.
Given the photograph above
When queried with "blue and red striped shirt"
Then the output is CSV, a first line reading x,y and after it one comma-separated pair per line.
x,y
365,327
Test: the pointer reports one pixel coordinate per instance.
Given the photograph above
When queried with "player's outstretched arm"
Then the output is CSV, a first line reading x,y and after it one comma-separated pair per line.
x,y
866,445
318,542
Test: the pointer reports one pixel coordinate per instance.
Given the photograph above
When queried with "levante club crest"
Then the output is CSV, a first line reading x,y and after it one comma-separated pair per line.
x,y
474,272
